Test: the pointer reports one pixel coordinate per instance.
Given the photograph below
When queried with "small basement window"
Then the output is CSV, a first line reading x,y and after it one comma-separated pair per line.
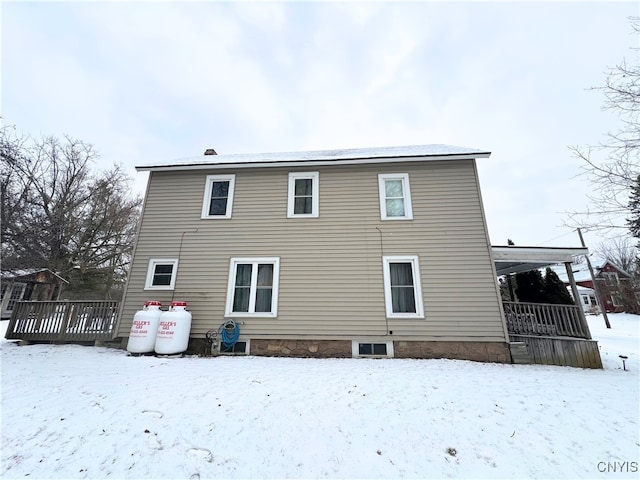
x,y
237,348
372,349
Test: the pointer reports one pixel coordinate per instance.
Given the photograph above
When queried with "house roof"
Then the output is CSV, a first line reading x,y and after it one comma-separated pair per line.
x,y
30,274
515,259
320,157
614,266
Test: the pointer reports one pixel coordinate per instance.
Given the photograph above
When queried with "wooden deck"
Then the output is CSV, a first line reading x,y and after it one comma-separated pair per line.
x,y
552,334
63,321
545,319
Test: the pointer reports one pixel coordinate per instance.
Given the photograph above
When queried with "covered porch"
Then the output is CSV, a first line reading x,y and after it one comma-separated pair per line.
x,y
546,333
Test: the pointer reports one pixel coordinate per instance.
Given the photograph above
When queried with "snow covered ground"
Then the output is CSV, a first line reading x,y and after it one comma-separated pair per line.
x,y
85,412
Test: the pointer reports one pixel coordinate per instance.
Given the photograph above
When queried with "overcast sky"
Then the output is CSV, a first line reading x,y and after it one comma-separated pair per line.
x,y
145,81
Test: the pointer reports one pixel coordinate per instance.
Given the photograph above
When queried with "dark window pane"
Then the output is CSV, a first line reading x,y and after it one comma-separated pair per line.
x,y
364,349
379,348
265,275
241,299
220,190
303,187
302,205
401,274
243,275
403,300
218,206
162,275
263,299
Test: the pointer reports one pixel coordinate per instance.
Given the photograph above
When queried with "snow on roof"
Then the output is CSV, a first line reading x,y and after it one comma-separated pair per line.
x,y
321,157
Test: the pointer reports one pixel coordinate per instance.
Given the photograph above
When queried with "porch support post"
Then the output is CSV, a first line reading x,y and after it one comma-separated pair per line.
x,y
577,300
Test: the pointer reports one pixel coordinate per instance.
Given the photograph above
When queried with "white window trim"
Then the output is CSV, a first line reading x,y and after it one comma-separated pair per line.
x,y
315,192
151,269
406,191
355,349
206,202
275,261
417,286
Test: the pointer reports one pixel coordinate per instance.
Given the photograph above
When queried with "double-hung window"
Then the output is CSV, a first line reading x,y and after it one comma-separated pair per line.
x,y
304,188
253,287
402,290
161,274
218,196
395,196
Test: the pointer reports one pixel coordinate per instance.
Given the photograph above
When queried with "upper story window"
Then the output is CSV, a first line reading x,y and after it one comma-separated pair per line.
x,y
218,196
253,287
610,278
161,274
304,188
402,291
395,196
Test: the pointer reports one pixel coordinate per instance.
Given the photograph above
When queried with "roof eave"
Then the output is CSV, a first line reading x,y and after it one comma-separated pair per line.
x,y
311,162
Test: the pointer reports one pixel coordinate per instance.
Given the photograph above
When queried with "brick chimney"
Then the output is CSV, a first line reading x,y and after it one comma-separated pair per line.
x,y
210,151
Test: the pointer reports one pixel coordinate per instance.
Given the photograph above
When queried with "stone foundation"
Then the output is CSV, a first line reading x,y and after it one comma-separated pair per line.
x,y
493,352
302,348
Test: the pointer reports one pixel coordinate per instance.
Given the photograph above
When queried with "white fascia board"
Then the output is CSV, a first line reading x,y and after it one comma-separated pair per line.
x,y
307,163
537,254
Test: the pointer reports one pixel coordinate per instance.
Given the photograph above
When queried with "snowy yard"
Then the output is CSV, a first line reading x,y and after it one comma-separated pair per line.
x,y
84,412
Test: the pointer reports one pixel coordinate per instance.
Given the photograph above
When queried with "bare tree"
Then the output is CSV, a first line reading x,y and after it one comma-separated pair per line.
x,y
613,166
57,214
620,251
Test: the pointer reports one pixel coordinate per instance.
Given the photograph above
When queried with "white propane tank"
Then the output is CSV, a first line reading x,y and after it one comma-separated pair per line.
x,y
142,337
173,330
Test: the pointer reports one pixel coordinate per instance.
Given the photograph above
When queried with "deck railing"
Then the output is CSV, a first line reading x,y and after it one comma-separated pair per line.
x,y
545,319
63,321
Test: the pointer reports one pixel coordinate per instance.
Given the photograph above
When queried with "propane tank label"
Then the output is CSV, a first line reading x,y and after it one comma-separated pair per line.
x,y
140,328
165,330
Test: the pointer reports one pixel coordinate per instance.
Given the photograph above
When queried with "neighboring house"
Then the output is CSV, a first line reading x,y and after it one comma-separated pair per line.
x,y
617,288
619,291
32,284
587,299
362,252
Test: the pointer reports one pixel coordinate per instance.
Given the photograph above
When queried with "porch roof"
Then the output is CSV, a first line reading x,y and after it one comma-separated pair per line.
x,y
516,259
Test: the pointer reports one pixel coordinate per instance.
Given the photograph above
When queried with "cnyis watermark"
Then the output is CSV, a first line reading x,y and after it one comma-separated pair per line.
x,y
618,467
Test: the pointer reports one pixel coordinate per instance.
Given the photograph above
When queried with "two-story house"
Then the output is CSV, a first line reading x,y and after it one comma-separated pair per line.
x,y
359,252
617,287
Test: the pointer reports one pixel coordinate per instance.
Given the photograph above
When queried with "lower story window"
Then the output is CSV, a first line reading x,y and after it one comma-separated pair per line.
x,y
161,274
403,294
253,287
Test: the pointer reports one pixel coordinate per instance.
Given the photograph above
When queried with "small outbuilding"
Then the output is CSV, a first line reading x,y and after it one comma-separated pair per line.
x,y
31,284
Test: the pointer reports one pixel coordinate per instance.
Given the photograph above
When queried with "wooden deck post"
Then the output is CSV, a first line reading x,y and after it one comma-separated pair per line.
x,y
577,299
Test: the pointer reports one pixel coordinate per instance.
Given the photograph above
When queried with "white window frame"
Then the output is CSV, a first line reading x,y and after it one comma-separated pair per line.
x,y
206,202
610,278
255,261
355,349
616,299
315,194
406,192
153,262
417,286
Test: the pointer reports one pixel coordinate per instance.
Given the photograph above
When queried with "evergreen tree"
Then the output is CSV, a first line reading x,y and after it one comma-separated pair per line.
x,y
555,291
530,287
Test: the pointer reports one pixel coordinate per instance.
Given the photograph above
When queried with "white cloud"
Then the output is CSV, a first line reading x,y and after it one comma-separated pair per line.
x,y
169,79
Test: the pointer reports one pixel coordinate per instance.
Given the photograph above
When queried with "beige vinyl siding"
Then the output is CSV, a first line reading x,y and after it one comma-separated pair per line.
x,y
331,280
